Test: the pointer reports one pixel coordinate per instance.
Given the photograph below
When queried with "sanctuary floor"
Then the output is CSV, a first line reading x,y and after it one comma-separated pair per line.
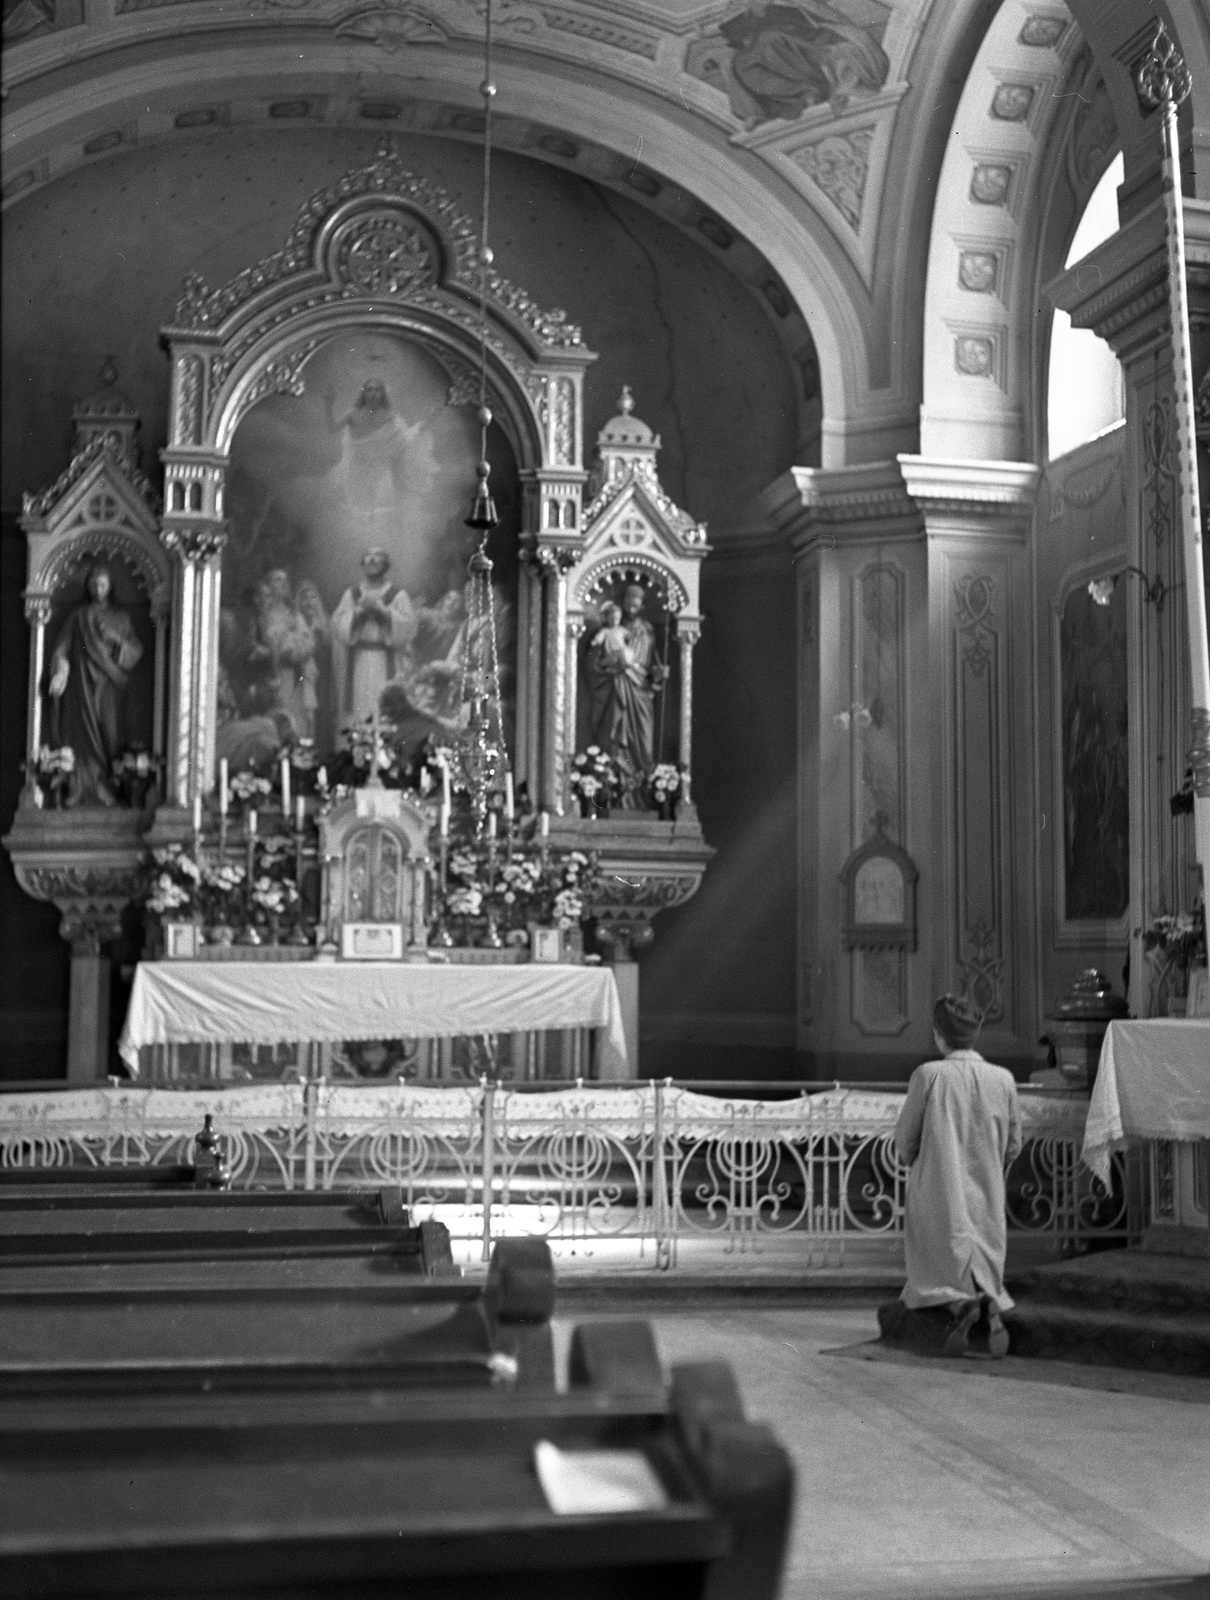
x,y
962,1480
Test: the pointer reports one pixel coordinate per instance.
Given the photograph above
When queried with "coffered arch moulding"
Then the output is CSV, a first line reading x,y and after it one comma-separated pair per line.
x,y
682,151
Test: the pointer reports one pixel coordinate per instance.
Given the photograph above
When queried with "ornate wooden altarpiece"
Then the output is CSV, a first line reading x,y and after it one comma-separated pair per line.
x,y
381,251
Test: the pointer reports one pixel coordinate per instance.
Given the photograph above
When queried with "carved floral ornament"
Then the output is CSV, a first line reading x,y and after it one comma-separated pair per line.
x,y
636,565
406,235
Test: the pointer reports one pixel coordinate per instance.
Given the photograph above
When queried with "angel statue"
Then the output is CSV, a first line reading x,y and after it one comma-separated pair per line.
x,y
90,666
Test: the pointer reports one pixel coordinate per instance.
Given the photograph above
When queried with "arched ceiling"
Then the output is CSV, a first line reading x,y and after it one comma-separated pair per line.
x,y
775,131
801,140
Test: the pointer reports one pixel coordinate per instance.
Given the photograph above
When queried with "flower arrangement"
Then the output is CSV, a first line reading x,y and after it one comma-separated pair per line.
x,y
134,772
1179,940
221,894
665,785
1173,944
249,790
551,888
175,878
593,778
53,771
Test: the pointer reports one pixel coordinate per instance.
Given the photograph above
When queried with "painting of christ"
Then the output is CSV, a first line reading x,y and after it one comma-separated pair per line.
x,y
345,572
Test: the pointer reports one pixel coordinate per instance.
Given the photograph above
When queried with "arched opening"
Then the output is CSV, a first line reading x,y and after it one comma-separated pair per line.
x,y
1086,392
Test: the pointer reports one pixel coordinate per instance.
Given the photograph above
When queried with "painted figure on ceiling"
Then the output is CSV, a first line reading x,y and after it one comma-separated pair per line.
x,y
775,60
90,667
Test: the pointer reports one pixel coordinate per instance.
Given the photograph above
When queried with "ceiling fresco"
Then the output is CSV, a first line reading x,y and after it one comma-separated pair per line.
x,y
810,85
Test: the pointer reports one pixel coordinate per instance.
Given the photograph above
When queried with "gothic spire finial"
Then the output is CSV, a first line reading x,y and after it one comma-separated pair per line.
x,y
1162,73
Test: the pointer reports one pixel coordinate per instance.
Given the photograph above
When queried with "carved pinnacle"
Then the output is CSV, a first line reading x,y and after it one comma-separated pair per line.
x,y
1162,74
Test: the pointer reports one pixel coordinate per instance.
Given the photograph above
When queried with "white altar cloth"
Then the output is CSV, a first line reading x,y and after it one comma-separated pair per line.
x,y
1153,1082
183,1002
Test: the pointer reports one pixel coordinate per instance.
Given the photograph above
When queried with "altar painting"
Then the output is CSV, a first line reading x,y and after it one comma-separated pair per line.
x,y
1096,802
345,572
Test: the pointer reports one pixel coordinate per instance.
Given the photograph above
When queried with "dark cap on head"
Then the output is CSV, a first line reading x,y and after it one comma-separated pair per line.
x,y
957,1021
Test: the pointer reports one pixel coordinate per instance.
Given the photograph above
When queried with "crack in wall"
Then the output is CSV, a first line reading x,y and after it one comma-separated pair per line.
x,y
679,492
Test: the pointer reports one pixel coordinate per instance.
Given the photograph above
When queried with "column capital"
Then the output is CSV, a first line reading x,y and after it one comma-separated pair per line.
x,y
949,491
813,505
1120,289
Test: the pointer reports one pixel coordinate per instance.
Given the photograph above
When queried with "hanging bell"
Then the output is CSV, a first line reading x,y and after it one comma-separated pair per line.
x,y
483,507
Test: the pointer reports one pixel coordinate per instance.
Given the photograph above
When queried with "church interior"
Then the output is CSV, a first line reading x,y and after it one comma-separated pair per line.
x,y
566,571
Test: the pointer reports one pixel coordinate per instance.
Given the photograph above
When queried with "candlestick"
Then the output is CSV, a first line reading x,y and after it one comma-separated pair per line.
x,y
544,824
224,794
443,820
445,783
300,813
197,816
251,823
222,837
509,810
285,786
251,861
491,824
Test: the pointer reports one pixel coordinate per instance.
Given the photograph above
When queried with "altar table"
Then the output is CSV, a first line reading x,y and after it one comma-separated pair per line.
x,y
1153,1082
182,1002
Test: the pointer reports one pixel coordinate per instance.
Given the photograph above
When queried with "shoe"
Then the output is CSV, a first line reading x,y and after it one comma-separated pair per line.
x,y
965,1315
997,1333
891,1318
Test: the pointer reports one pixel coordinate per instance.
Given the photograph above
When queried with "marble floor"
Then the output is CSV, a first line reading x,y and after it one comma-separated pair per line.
x,y
947,1480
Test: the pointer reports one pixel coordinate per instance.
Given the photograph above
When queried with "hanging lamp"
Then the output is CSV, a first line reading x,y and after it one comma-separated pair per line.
x,y
481,757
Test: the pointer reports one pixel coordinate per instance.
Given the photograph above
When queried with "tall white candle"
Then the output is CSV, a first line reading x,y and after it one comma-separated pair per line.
x,y
197,813
224,793
445,783
300,813
544,824
252,824
321,779
491,824
509,812
285,786
443,823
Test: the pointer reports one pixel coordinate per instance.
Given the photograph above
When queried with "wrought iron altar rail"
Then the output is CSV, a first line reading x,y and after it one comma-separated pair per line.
x,y
654,1172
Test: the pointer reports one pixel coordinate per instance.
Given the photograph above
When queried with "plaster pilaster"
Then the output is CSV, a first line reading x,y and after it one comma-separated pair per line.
x,y
1120,292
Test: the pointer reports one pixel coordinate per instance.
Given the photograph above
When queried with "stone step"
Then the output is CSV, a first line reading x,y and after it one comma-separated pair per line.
x,y
1117,1337
1120,1280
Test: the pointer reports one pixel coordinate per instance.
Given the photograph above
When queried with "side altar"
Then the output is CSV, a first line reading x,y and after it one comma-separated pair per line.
x,y
228,666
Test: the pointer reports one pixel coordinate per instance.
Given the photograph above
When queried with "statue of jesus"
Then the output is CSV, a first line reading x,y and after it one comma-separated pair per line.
x,y
90,666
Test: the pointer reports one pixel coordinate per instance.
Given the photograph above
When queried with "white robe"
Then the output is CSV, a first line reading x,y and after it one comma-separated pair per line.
x,y
367,652
959,1128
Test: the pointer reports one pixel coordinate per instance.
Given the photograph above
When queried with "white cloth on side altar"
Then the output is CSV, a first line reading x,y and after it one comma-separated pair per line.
x,y
1153,1082
959,1128
184,1002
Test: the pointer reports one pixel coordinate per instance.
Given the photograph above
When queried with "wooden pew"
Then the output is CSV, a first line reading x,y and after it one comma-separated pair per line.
x,y
201,1291
290,1396
428,1494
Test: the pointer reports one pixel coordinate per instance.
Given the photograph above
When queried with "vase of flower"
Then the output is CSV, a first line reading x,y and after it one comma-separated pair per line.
x,y
665,786
222,934
593,779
